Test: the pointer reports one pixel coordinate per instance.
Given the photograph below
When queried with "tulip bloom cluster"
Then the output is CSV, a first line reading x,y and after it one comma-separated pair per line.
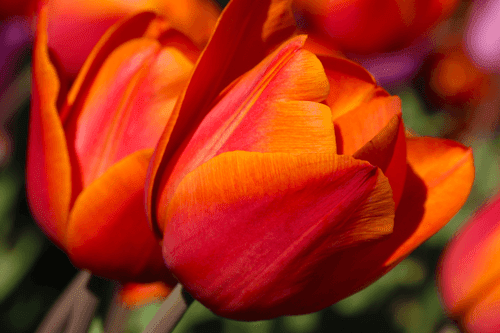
x,y
282,181
469,273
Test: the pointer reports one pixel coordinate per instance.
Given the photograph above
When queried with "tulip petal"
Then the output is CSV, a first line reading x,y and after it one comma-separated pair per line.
x,y
261,226
127,106
48,167
108,232
387,150
470,267
350,84
484,317
357,127
447,171
438,181
144,24
134,295
272,108
194,18
245,34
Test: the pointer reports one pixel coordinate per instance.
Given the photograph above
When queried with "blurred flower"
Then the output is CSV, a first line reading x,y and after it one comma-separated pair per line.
x,y
482,34
453,79
370,26
89,148
284,181
469,272
453,83
75,26
9,8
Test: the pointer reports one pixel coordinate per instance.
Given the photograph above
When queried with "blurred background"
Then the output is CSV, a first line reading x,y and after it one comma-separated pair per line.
x,y
448,78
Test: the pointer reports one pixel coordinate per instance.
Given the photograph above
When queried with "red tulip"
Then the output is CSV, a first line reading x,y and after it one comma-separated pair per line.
x,y
89,148
469,272
369,26
75,26
283,181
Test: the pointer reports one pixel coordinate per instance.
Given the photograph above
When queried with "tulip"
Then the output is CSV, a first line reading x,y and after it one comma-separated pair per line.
x,y
469,272
75,26
370,26
283,181
89,148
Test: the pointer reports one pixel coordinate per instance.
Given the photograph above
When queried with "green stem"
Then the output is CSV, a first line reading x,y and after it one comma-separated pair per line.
x,y
74,309
171,312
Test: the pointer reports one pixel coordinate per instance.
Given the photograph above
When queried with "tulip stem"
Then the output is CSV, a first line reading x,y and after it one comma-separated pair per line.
x,y
118,314
74,309
171,311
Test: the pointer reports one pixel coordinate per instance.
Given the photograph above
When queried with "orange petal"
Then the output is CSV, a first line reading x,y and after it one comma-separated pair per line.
x,y
127,106
350,84
196,19
247,233
484,317
438,181
446,172
245,33
272,108
108,232
387,150
358,126
48,169
134,295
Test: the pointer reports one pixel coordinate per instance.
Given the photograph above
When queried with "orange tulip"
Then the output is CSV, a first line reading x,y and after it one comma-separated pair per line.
x,y
469,272
89,148
75,26
369,26
283,181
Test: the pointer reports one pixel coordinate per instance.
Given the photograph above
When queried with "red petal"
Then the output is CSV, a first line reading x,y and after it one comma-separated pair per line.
x,y
48,171
252,235
108,232
470,268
